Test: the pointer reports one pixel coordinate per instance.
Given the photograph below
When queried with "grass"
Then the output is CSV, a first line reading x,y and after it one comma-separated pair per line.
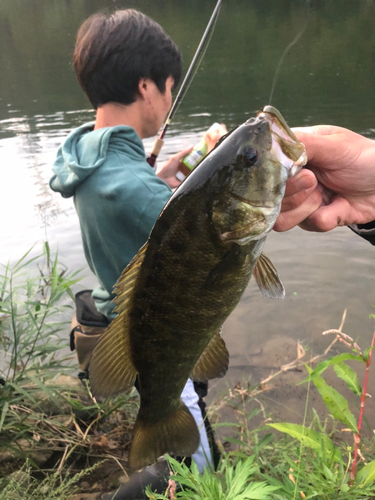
x,y
51,431
267,465
54,437
314,461
22,484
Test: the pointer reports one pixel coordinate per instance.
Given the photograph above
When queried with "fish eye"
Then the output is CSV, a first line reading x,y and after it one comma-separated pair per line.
x,y
250,156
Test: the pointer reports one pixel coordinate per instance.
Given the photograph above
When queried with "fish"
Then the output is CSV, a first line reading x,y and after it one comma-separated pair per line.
x,y
174,296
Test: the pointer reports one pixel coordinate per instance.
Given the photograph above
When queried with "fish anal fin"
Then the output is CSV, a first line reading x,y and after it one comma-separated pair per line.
x,y
267,278
111,369
178,433
213,362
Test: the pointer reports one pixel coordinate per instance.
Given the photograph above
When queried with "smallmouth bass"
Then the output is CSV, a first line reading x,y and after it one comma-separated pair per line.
x,y
176,293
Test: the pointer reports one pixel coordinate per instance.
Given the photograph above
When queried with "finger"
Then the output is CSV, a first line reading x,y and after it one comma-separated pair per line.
x,y
316,130
172,182
324,144
181,154
327,217
305,179
291,218
295,200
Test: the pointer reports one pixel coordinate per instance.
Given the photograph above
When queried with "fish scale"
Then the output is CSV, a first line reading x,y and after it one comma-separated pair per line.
x,y
179,289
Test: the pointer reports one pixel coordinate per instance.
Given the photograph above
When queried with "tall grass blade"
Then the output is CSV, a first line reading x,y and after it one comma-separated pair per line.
x,y
47,251
19,389
45,389
17,267
4,411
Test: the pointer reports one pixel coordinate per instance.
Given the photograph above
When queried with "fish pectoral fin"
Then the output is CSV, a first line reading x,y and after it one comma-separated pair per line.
x,y
111,369
267,278
213,362
177,433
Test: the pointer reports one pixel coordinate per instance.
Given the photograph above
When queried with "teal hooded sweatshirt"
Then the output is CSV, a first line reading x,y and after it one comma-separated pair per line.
x,y
117,196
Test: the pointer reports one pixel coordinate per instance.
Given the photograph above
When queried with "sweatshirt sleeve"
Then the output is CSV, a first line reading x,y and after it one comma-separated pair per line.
x,y
366,231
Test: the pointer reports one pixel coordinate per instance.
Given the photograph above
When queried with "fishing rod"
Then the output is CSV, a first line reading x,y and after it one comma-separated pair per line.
x,y
194,65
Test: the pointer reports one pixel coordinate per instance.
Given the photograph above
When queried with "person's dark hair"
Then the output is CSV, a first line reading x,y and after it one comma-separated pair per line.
x,y
114,51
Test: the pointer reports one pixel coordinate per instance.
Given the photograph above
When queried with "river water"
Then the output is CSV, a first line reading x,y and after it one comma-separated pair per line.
x,y
326,77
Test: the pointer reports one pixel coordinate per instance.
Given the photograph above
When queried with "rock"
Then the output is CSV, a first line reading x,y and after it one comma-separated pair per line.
x,y
39,454
54,400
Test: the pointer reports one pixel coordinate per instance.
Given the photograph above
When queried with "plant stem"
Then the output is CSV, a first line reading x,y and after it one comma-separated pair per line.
x,y
357,437
13,363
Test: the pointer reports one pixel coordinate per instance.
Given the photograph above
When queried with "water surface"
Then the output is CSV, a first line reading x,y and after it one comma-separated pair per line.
x,y
327,77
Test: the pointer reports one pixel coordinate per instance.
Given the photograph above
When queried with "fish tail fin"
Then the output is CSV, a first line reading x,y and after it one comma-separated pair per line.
x,y
178,433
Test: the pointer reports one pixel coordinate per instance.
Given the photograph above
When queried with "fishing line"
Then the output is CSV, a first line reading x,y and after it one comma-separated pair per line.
x,y
287,49
198,56
201,50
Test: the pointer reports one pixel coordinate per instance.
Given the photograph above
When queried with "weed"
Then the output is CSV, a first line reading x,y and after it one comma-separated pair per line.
x,y
46,415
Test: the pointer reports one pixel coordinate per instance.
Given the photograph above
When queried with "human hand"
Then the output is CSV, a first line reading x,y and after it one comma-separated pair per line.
x,y
338,186
168,171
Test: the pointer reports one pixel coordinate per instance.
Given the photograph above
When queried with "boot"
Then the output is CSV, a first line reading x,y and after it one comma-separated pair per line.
x,y
155,475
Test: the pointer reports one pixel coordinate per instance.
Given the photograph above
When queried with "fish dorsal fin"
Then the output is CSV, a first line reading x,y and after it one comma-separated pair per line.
x,y
213,362
111,369
268,279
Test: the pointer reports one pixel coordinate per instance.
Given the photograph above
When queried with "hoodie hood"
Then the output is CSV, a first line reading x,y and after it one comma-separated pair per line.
x,y
86,149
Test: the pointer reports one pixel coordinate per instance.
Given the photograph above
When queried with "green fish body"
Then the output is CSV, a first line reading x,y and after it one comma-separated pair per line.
x,y
174,296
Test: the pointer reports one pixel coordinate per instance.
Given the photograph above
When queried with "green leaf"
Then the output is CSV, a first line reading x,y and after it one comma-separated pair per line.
x,y
312,439
367,474
258,491
366,353
349,376
336,404
329,362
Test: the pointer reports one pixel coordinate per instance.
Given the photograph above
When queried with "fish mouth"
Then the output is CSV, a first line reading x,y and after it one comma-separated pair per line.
x,y
252,203
287,148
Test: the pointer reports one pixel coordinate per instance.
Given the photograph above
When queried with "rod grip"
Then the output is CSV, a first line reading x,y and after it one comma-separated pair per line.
x,y
156,148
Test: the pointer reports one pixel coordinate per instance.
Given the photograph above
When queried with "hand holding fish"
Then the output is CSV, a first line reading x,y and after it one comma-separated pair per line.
x,y
338,186
168,171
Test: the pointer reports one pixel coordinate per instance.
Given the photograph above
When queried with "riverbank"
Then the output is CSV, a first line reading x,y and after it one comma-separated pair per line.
x,y
57,442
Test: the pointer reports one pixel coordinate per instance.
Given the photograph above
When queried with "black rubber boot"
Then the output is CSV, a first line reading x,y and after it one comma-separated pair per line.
x,y
156,475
